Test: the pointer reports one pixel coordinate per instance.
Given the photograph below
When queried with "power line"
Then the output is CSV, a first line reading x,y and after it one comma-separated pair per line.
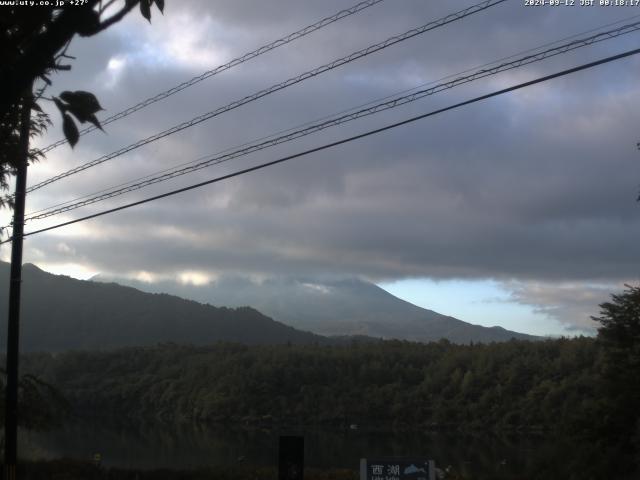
x,y
310,122
233,63
274,88
396,102
343,141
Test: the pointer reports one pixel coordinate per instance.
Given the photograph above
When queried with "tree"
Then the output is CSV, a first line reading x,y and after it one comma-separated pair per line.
x,y
619,335
620,323
33,45
42,405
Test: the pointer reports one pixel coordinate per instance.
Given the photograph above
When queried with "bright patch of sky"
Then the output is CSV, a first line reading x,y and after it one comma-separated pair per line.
x,y
115,68
482,302
74,270
193,278
184,41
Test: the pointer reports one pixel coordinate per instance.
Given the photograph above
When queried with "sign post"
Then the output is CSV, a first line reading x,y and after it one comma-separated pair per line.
x,y
291,458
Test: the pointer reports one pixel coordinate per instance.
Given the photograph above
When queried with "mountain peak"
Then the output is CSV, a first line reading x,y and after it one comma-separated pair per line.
x,y
328,306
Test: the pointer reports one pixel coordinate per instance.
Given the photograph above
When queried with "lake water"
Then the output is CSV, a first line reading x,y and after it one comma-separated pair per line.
x,y
189,446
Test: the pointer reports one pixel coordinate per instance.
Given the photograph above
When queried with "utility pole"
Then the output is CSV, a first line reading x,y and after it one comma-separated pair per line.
x,y
15,281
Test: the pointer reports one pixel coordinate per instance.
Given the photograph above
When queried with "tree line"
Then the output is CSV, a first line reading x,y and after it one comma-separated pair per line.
x,y
514,385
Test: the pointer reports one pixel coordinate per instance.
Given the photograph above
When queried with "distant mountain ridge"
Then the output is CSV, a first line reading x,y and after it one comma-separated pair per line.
x,y
334,307
61,313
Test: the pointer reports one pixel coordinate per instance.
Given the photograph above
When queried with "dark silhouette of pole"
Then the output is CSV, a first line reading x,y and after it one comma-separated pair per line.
x,y
291,458
13,334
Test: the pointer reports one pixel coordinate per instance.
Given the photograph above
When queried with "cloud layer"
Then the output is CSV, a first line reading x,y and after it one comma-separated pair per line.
x,y
537,186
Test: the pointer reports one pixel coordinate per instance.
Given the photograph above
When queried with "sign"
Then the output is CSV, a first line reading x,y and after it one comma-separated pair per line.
x,y
397,469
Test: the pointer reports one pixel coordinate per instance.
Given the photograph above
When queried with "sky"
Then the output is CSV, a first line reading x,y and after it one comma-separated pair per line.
x,y
517,211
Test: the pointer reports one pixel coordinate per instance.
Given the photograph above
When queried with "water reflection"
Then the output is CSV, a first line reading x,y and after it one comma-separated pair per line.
x,y
154,446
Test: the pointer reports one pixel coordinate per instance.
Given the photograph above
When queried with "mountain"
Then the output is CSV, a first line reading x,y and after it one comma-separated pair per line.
x,y
60,313
333,307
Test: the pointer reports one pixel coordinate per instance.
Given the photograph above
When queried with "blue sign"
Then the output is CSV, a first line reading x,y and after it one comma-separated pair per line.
x,y
397,469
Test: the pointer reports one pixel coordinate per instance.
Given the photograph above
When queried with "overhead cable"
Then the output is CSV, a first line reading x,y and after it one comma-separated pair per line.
x,y
340,142
351,109
370,110
233,63
274,88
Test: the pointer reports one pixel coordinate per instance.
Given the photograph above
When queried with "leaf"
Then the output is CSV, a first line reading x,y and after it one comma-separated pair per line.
x,y
145,9
67,96
92,118
83,105
70,130
86,101
80,114
160,4
61,106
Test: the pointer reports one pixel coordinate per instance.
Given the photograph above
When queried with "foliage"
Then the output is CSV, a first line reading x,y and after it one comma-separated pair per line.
x,y
83,106
33,45
509,386
619,335
42,406
9,141
620,324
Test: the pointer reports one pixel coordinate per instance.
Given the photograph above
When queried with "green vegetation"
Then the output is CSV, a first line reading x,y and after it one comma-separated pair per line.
x,y
514,385
41,405
619,337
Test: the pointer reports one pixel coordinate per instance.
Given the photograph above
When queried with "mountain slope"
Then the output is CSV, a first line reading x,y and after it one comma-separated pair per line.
x,y
334,307
60,313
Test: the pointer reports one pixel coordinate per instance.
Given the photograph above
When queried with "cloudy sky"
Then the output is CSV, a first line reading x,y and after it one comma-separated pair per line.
x,y
518,211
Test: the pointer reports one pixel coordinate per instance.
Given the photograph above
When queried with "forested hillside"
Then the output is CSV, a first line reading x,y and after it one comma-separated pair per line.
x,y
62,313
513,385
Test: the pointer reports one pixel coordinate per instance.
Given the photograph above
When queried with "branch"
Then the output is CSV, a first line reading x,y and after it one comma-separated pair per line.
x,y
115,18
63,52
106,6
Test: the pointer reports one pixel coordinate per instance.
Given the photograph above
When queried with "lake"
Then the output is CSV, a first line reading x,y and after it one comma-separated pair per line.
x,y
154,446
